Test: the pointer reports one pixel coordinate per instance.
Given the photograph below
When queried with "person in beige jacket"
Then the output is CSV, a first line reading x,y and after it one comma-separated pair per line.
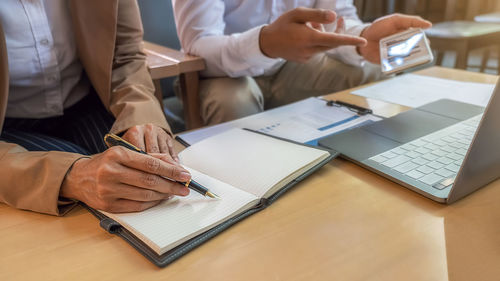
x,y
71,71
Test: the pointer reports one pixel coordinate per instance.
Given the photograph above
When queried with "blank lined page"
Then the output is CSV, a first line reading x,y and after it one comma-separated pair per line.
x,y
173,222
247,160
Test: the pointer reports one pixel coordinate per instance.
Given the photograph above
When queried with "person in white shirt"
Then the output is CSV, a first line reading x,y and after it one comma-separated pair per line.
x,y
265,53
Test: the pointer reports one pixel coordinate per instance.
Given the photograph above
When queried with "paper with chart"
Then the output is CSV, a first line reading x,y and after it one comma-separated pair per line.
x,y
303,121
414,90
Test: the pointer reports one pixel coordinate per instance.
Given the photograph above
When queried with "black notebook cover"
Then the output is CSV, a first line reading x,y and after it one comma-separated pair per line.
x,y
165,259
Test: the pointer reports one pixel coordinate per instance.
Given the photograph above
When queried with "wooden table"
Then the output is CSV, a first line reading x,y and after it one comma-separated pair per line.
x,y
341,223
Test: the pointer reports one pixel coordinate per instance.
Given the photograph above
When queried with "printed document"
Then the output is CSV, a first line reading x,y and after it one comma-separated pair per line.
x,y
414,90
304,121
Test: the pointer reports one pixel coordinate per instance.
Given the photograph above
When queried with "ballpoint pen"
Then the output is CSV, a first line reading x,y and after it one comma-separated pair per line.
x,y
114,140
358,109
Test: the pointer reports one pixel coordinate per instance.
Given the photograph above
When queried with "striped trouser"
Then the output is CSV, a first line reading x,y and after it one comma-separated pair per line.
x,y
79,130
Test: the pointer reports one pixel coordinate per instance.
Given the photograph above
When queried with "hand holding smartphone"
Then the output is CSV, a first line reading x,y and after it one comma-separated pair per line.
x,y
404,50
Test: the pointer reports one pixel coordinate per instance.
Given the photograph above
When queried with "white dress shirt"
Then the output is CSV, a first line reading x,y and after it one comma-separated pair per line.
x,y
45,73
226,32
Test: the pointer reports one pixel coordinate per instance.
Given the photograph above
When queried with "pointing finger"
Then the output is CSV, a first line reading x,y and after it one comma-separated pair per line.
x,y
333,40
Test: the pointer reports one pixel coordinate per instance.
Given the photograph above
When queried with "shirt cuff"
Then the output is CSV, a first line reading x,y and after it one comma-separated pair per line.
x,y
250,48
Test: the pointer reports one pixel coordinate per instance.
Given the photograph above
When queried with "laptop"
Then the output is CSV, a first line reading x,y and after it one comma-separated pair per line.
x,y
443,150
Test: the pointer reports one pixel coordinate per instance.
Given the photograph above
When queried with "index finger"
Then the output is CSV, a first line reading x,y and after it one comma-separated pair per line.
x,y
155,166
334,40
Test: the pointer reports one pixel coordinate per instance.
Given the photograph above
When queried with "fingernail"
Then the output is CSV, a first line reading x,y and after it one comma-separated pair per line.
x,y
176,159
184,191
185,176
329,15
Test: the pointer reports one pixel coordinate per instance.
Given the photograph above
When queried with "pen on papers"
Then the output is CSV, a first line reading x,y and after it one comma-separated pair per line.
x,y
356,108
114,140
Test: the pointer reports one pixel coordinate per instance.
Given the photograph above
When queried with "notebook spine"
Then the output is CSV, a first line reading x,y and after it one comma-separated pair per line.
x,y
110,225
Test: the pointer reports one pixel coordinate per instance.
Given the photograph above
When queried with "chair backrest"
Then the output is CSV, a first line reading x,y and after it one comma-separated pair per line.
x,y
159,27
159,23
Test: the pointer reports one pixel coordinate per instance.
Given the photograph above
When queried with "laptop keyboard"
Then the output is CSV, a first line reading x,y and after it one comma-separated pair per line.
x,y
433,159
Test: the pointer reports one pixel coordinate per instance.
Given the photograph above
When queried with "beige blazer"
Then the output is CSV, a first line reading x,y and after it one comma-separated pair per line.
x,y
109,40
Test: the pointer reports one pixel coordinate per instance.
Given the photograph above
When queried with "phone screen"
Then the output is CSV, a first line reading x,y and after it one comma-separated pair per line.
x,y
404,50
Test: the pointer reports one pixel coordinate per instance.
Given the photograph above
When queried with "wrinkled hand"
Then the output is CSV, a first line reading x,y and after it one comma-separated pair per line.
x,y
297,35
151,139
386,26
121,180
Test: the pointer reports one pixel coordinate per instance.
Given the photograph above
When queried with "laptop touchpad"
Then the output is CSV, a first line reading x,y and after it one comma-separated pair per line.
x,y
410,125
358,144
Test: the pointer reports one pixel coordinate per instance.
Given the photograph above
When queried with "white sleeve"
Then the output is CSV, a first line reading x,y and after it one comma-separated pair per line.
x,y
200,27
353,26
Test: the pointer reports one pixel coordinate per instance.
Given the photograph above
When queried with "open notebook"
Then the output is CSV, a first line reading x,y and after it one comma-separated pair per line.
x,y
247,170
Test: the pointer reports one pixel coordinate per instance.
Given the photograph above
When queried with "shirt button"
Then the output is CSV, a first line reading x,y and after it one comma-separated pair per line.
x,y
44,41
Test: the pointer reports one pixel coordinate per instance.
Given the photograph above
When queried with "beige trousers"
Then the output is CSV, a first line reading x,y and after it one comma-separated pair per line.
x,y
225,99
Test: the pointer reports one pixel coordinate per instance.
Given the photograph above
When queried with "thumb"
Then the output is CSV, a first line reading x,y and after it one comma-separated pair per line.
x,y
303,15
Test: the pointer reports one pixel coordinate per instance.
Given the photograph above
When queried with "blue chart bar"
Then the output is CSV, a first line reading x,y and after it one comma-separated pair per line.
x,y
338,123
315,142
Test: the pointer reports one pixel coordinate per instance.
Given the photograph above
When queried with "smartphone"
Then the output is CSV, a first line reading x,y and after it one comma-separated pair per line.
x,y
404,50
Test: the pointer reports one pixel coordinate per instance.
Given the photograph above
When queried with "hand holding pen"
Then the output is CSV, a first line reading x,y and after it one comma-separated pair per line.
x,y
114,140
120,180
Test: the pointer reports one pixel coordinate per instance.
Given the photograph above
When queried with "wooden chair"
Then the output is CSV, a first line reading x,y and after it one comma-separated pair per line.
x,y
462,36
164,62
495,19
